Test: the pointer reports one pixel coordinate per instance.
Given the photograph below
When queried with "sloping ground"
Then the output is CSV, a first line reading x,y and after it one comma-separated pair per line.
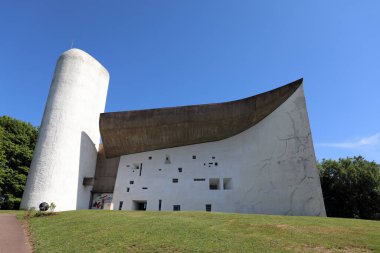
x,y
125,231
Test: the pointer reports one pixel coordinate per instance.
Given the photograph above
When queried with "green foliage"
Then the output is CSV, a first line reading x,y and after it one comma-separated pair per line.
x,y
52,207
17,142
351,188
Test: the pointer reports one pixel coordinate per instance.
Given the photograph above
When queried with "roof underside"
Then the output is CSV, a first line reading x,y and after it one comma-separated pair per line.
x,y
145,130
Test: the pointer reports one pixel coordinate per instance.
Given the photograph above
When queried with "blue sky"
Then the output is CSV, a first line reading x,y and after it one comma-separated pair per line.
x,y
171,53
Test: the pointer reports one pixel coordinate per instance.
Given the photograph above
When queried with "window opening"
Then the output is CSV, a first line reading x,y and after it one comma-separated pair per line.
x,y
120,205
208,207
227,183
175,180
140,169
159,204
214,183
139,205
167,159
176,208
131,182
145,188
199,179
194,157
179,169
127,189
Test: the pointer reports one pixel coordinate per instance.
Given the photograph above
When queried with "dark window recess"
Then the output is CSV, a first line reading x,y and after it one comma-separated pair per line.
x,y
216,164
150,158
208,207
175,180
167,159
127,189
179,169
210,163
131,182
140,169
159,169
199,179
120,205
128,165
213,157
159,204
145,188
204,164
214,184
194,157
139,205
176,208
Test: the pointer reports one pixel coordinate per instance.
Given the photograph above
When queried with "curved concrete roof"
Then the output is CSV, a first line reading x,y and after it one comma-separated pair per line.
x,y
145,130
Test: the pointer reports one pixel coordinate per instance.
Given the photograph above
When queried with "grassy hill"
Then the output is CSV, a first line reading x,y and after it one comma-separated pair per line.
x,y
124,231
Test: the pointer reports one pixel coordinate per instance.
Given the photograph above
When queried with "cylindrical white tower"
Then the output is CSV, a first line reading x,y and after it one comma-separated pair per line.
x,y
69,135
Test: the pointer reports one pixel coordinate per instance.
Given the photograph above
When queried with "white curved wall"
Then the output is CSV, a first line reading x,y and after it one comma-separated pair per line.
x,y
272,167
67,144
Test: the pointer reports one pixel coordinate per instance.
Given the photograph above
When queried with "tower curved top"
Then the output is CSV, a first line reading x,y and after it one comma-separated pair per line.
x,y
84,57
146,130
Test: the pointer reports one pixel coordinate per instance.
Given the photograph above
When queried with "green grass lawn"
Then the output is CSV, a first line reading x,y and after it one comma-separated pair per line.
x,y
138,231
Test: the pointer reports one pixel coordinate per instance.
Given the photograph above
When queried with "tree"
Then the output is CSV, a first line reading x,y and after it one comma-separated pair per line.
x,y
351,188
17,142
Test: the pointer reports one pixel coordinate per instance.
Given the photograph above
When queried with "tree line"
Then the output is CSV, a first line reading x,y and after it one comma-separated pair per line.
x,y
350,186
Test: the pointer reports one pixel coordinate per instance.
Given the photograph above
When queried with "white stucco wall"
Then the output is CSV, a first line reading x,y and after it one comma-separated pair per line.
x,y
272,167
67,144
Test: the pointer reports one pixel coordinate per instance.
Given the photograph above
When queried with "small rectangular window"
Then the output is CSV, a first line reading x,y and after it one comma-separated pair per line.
x,y
227,183
179,169
208,207
145,188
199,179
176,208
131,182
120,205
213,157
175,180
150,158
194,157
216,164
159,204
127,189
214,184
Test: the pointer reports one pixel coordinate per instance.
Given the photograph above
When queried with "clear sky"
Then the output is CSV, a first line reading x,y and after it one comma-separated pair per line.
x,y
171,53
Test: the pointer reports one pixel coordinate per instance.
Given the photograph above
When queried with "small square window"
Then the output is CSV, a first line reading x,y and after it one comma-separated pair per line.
x,y
127,189
150,158
214,183
176,208
175,180
213,157
194,157
179,169
216,164
131,182
208,207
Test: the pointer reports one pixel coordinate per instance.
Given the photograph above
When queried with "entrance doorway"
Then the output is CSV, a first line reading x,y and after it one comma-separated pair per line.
x,y
139,205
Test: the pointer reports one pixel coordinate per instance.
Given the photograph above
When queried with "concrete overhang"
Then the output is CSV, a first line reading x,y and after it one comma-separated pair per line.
x,y
131,132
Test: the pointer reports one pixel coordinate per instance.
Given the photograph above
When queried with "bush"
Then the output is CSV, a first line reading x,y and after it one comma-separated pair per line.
x,y
351,188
